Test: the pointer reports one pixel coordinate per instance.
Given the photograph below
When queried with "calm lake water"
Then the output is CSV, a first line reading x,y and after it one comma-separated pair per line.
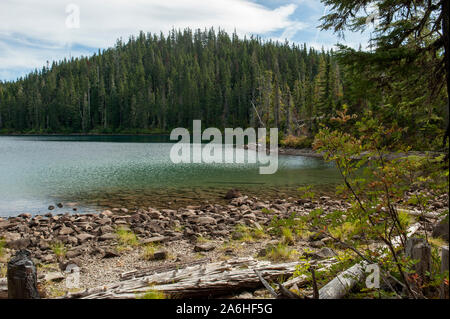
x,y
95,172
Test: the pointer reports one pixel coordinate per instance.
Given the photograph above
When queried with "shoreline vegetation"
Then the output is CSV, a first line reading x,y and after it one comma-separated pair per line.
x,y
114,242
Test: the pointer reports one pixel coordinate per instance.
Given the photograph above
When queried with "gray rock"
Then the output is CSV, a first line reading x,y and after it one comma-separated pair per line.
x,y
106,229
108,236
65,230
317,244
110,253
205,220
160,255
204,247
441,230
156,239
73,253
19,243
316,236
83,237
325,252
233,193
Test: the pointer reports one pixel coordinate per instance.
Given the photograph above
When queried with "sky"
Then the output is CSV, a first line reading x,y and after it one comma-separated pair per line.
x,y
34,32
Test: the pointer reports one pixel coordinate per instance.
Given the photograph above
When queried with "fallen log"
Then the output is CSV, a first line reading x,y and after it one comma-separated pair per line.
x,y
204,280
150,271
346,280
429,215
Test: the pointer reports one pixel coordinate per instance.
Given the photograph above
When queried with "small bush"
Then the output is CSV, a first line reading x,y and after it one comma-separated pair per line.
x,y
287,236
59,249
152,294
245,233
127,238
344,231
281,252
2,246
149,251
298,142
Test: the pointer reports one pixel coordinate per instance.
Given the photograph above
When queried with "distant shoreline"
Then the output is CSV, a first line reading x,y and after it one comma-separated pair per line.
x,y
82,134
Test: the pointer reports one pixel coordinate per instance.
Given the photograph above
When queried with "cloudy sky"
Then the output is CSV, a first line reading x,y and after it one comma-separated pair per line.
x,y
33,32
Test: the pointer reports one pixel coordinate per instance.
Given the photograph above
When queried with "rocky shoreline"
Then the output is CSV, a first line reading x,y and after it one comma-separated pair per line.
x,y
115,241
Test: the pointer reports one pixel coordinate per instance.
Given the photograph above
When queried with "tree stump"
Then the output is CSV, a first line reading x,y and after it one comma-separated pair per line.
x,y
444,268
22,277
418,249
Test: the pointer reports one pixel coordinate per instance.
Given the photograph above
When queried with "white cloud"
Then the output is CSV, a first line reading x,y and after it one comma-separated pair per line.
x,y
32,32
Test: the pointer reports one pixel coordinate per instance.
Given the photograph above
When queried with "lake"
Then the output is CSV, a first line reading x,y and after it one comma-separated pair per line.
x,y
97,172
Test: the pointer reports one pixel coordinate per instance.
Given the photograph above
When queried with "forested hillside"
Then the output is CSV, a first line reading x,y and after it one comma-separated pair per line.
x,y
158,82
155,83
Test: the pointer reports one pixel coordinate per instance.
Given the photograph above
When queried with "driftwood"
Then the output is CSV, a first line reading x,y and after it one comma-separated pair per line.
x,y
346,280
429,215
204,280
153,270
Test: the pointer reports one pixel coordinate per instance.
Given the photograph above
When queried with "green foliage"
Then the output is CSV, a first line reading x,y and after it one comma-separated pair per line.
x,y
281,252
149,250
152,294
2,246
126,239
402,78
59,249
153,83
296,142
287,227
306,192
375,184
247,234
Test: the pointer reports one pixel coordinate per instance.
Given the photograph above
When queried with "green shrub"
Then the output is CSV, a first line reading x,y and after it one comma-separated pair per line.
x,y
298,142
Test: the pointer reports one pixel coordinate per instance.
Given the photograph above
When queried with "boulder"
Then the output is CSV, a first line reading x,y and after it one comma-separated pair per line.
x,y
441,230
65,231
106,213
156,239
83,237
110,253
206,220
232,193
160,255
19,243
204,247
73,253
107,236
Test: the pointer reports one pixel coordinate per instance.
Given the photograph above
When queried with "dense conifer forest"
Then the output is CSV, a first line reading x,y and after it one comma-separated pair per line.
x,y
153,83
